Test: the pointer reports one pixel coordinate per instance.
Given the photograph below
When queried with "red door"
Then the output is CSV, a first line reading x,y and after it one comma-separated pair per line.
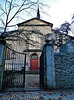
x,y
34,64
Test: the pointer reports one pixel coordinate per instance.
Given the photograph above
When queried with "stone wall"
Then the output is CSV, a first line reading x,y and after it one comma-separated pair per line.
x,y
64,70
58,67
68,47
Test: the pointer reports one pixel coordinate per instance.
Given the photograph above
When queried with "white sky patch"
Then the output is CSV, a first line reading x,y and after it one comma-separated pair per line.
x,y
60,11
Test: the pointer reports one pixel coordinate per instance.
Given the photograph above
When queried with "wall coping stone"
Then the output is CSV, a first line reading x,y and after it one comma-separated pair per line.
x,y
62,54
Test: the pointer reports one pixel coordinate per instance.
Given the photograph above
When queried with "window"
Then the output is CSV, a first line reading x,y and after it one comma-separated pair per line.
x,y
34,56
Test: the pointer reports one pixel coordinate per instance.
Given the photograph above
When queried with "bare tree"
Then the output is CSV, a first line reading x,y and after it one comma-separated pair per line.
x,y
11,9
64,33
64,28
67,28
72,26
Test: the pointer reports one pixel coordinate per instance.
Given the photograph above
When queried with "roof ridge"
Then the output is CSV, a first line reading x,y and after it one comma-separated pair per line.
x,y
33,19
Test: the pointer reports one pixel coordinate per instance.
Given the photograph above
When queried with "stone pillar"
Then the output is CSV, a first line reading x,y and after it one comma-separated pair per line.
x,y
2,59
49,69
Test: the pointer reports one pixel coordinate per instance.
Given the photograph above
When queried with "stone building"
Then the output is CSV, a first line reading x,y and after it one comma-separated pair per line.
x,y
26,47
30,38
32,34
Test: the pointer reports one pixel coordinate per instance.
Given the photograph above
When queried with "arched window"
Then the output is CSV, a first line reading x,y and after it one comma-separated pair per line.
x,y
34,56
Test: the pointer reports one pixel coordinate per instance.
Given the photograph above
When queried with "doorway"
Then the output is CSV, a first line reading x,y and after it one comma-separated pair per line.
x,y
34,62
32,79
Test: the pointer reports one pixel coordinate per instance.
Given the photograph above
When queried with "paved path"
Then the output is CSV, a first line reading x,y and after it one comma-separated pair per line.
x,y
39,95
32,81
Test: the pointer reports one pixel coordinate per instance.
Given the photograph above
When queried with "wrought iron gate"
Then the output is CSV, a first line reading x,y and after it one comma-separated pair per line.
x,y
14,70
42,71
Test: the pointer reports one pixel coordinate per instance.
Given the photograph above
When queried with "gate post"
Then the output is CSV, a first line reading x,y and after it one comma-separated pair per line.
x,y
2,59
49,69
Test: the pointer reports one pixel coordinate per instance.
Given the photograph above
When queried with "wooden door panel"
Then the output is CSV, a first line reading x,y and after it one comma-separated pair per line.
x,y
34,64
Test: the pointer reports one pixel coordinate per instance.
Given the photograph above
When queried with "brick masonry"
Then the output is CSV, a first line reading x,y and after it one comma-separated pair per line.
x,y
64,70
